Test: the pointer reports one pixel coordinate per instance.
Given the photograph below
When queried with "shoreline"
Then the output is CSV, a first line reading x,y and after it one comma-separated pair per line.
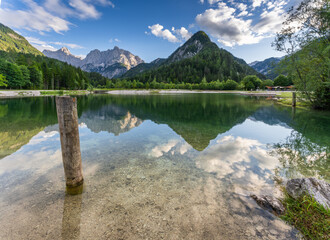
x,y
37,93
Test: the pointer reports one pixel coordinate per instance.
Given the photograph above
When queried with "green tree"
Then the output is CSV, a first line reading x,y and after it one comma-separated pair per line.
x,y
230,85
14,76
35,77
3,81
267,82
282,80
251,82
305,40
26,76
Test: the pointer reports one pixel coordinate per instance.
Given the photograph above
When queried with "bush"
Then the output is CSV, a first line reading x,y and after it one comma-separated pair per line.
x,y
230,85
251,82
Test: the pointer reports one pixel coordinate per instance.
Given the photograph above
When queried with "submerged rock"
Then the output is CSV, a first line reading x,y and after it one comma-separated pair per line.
x,y
270,203
319,189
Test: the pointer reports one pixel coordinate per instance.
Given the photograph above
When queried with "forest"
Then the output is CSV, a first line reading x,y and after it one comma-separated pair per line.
x,y
29,71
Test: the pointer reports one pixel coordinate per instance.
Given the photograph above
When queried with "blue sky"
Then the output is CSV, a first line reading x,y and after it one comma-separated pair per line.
x,y
147,28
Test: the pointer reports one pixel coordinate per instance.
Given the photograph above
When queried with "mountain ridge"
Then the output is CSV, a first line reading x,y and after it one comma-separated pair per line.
x,y
267,66
103,62
12,41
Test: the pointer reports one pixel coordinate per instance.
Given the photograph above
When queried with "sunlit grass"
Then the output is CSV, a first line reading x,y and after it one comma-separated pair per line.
x,y
308,216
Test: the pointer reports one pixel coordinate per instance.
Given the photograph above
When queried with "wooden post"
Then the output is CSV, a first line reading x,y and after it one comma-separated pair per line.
x,y
293,99
68,124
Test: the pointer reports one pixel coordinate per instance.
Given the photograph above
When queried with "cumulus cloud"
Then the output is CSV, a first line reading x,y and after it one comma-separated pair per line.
x,y
51,15
173,35
231,23
182,32
159,31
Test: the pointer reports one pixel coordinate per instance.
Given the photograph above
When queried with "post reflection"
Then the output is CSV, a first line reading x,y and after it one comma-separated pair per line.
x,y
72,213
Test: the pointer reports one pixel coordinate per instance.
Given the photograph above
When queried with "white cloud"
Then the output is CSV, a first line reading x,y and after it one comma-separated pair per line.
x,y
57,7
70,45
114,40
51,15
84,9
183,33
159,31
230,30
242,6
173,35
42,45
103,2
232,26
36,18
213,1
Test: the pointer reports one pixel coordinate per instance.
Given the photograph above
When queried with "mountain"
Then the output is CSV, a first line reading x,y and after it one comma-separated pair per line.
x,y
267,67
64,55
10,40
111,63
192,47
197,58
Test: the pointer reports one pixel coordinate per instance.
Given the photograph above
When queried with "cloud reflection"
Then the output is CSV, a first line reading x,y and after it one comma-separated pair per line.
x,y
239,160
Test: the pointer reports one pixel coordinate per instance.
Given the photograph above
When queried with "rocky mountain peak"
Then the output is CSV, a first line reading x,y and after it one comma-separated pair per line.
x,y
192,47
65,50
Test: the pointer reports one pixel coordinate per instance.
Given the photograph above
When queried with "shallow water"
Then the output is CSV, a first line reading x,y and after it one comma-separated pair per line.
x,y
156,167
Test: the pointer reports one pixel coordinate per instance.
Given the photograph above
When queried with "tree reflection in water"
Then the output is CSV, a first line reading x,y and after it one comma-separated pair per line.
x,y
300,157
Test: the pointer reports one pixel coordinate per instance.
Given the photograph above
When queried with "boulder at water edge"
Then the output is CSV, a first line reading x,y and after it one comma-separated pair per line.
x,y
319,189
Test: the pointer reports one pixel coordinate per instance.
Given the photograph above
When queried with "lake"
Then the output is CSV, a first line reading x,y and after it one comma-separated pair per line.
x,y
176,166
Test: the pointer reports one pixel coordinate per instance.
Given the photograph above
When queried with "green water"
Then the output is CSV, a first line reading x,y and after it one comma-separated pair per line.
x,y
156,166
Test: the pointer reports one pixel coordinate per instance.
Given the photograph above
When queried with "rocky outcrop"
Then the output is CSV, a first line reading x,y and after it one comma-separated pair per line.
x,y
319,189
64,55
270,203
192,47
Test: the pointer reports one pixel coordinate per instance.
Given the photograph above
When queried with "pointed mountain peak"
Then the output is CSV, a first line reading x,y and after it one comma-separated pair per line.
x,y
65,50
192,47
201,36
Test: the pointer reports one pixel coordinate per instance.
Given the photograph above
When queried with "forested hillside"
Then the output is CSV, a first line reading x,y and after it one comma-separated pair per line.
x,y
28,71
11,41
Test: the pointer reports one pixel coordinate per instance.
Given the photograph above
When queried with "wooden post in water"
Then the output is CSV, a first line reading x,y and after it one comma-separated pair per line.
x,y
68,124
293,99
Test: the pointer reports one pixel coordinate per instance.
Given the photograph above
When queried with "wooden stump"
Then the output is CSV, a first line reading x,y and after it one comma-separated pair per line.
x,y
294,99
68,124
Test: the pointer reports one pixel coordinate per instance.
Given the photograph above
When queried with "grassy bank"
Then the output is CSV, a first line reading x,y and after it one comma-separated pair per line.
x,y
285,98
63,92
308,216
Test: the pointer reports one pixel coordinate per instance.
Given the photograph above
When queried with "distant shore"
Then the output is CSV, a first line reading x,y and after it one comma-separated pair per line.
x,y
36,93
155,91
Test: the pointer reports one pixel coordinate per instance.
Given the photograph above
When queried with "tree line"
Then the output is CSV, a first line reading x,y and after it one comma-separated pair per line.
x,y
250,82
